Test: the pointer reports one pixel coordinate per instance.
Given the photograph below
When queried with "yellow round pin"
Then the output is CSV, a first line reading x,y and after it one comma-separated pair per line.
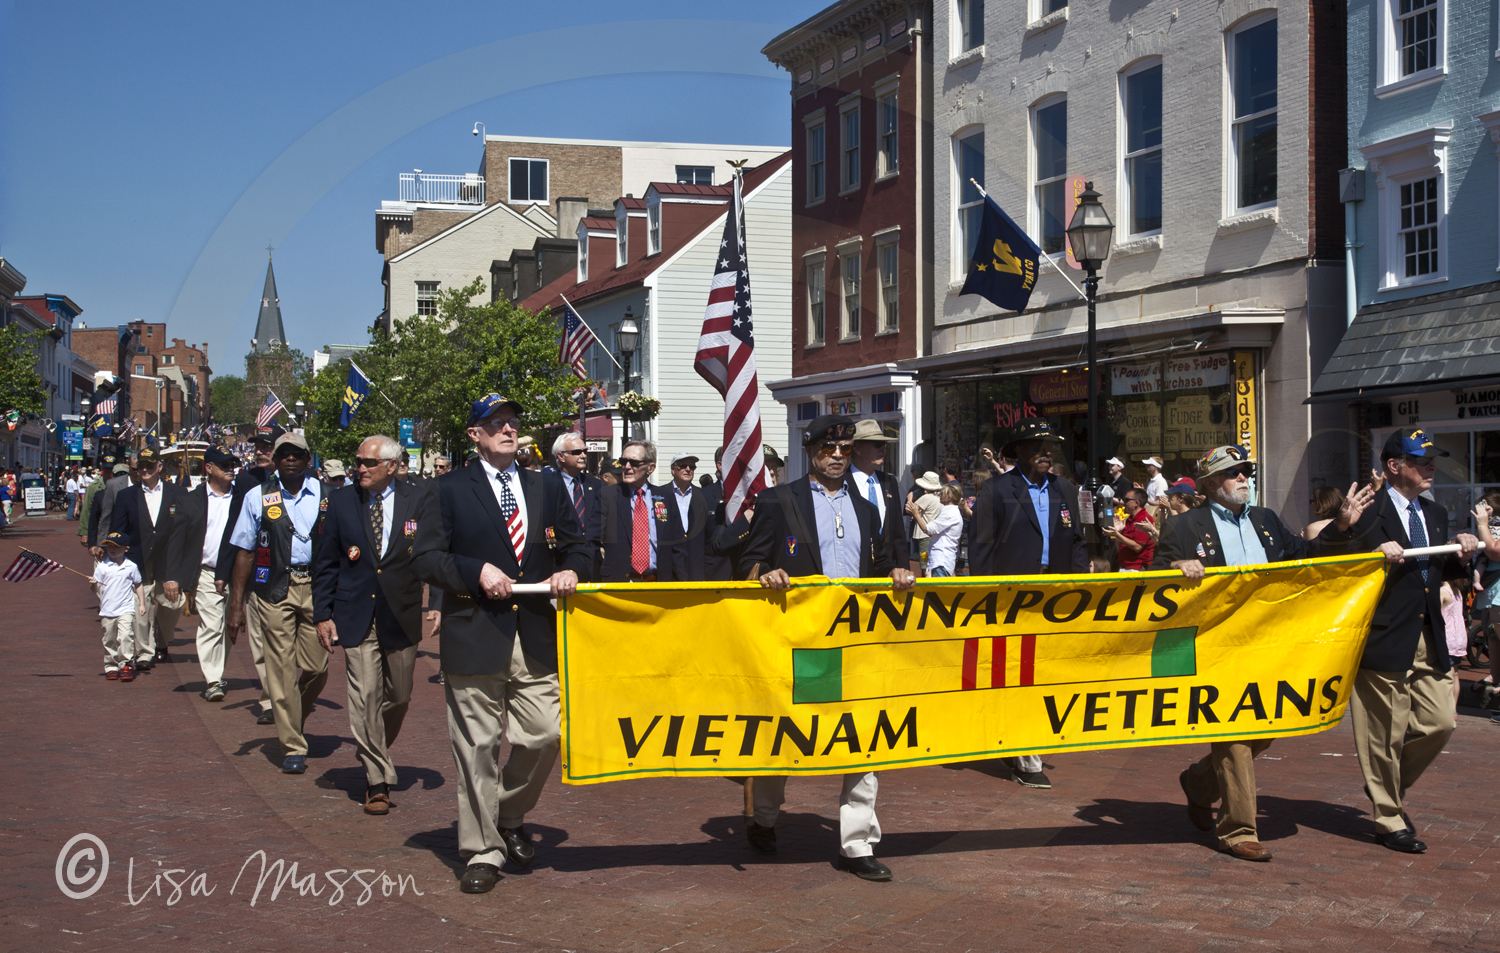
x,y
273,513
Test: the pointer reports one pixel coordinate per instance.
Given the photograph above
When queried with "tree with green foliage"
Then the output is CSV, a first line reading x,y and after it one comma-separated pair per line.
x,y
229,399
21,387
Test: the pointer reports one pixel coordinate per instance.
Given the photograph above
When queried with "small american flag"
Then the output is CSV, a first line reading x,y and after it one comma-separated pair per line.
x,y
106,406
30,565
127,428
726,359
576,340
269,409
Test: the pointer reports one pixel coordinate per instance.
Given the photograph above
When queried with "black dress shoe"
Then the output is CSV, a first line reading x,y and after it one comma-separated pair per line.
x,y
1410,827
865,868
1402,841
518,846
267,717
479,878
763,839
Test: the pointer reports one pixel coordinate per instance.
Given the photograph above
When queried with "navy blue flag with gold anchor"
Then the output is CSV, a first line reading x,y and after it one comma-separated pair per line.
x,y
356,389
1005,261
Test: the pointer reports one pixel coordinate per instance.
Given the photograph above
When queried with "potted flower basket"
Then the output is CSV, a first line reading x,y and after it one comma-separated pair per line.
x,y
638,407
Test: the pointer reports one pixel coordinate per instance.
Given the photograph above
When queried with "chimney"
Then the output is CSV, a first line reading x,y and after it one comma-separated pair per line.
x,y
569,210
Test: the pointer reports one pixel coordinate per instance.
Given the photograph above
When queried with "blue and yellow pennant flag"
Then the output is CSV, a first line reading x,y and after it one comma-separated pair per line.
x,y
1005,261
355,391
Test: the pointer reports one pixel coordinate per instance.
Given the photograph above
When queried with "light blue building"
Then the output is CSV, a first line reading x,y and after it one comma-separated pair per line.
x,y
1422,206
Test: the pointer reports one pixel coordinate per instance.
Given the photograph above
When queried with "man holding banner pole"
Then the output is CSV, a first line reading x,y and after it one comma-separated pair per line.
x,y
1230,532
1402,708
814,526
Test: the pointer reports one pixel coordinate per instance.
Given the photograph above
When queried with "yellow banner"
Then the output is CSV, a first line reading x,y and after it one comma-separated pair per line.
x,y
838,676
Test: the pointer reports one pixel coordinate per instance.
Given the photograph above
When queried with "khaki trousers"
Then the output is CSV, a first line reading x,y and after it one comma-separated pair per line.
x,y
256,636
292,643
119,638
1228,772
155,627
1401,721
379,694
478,706
859,828
210,606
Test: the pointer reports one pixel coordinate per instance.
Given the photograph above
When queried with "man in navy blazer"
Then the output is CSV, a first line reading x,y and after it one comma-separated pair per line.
x,y
634,507
814,526
1005,535
367,598
1402,707
585,491
500,525
144,513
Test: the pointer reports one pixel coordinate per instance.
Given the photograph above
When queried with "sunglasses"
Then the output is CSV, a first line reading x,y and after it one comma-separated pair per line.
x,y
1244,471
294,454
633,464
571,453
494,425
370,463
831,447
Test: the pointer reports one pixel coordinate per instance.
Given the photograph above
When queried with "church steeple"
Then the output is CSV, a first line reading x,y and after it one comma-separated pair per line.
x,y
268,327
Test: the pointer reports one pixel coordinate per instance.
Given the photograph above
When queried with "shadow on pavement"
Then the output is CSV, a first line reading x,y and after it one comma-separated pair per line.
x,y
318,746
351,780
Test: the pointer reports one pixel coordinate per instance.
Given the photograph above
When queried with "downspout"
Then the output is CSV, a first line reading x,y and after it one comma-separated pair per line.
x,y
1351,191
918,247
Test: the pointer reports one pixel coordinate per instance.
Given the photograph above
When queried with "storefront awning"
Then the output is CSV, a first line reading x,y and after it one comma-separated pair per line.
x,y
1412,347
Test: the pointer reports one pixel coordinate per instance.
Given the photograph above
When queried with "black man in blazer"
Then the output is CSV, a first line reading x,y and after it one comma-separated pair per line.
x,y
198,536
1403,708
368,600
500,525
868,479
633,507
814,526
144,512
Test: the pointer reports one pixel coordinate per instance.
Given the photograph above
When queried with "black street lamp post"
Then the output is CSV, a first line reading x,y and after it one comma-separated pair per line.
x,y
1089,235
629,338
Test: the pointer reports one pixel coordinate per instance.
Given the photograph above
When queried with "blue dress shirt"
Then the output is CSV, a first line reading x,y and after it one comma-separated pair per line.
x,y
840,556
304,512
1041,501
1242,547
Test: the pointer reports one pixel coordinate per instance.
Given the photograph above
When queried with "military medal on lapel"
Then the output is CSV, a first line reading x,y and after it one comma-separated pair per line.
x,y
172,510
323,505
551,535
1067,518
354,554
661,511
411,528
791,545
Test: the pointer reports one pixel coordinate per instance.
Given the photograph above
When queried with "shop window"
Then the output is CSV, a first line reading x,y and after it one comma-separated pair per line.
x,y
887,403
809,410
1049,129
1252,97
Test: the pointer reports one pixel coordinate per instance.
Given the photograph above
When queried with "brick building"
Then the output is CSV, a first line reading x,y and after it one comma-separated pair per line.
x,y
67,376
168,381
862,217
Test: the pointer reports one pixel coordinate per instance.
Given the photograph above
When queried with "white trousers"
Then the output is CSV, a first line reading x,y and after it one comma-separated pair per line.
x,y
119,638
859,828
210,607
1029,763
256,636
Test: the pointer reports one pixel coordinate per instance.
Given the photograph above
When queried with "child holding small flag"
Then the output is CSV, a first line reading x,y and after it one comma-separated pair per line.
x,y
115,580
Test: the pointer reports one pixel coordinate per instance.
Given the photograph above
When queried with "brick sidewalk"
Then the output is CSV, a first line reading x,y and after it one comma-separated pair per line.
x,y
1106,860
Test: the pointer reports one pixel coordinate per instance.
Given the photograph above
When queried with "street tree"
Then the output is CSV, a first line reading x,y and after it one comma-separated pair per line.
x,y
21,387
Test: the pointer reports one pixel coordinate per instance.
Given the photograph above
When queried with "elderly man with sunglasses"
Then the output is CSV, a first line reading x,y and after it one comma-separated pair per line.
x,y
1231,532
368,600
814,526
276,541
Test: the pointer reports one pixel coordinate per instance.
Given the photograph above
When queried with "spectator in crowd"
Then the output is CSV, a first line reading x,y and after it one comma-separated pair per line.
x,y
1326,503
1487,604
1137,545
924,496
1118,481
1156,484
943,532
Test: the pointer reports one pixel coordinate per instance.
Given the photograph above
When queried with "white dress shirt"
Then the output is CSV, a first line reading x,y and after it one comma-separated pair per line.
x,y
513,477
863,482
213,533
387,506
153,500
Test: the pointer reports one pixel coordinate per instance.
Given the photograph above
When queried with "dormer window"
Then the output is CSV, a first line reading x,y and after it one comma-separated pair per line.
x,y
622,235
583,252
653,224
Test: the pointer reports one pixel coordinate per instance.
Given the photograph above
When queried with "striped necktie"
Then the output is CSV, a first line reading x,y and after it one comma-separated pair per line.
x,y
578,497
1418,532
512,514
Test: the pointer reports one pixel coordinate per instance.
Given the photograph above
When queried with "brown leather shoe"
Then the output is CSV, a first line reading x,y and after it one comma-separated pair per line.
x,y
1202,817
377,803
1247,850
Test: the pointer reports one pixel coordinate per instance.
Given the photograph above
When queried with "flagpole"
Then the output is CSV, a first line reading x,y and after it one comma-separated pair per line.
x,y
73,571
372,384
1043,256
591,333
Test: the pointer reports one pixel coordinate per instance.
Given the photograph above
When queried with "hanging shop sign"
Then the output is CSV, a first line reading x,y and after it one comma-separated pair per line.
x,y
1246,421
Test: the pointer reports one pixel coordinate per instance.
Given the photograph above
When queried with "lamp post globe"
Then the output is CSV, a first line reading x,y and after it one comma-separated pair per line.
x,y
628,337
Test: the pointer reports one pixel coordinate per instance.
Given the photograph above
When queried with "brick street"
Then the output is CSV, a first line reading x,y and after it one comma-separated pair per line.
x,y
1105,860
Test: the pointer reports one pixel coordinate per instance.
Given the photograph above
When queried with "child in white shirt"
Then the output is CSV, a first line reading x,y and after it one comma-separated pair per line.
x,y
117,582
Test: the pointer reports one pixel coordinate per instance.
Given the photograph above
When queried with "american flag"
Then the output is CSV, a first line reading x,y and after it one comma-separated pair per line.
x,y
726,359
269,409
30,565
106,406
576,340
127,428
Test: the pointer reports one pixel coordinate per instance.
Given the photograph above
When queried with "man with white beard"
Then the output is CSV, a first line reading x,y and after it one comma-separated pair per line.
x,y
1230,532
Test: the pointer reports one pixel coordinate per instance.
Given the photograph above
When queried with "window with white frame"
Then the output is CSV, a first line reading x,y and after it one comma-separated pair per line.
x,y
1417,35
1412,206
622,236
653,224
427,297
1040,8
528,181
1412,44
816,300
817,165
969,18
695,174
849,265
849,147
1140,95
1049,132
968,164
888,114
1251,53
583,252
887,257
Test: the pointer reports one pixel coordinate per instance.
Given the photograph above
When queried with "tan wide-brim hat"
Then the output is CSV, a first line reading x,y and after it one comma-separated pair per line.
x,y
929,481
872,430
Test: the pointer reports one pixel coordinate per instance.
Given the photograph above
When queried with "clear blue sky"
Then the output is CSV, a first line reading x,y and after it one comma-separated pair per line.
x,y
147,143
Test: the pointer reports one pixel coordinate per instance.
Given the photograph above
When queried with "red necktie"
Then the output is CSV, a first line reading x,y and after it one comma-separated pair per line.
x,y
640,536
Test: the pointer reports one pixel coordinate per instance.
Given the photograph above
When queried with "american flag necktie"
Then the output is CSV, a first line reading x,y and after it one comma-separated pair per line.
x,y
640,536
512,514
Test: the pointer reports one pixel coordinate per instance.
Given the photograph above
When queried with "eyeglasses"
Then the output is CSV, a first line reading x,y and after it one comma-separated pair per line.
x,y
684,466
830,447
1245,471
297,454
570,453
633,464
370,463
495,425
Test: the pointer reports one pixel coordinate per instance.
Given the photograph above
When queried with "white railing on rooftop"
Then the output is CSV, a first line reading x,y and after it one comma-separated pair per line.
x,y
465,189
